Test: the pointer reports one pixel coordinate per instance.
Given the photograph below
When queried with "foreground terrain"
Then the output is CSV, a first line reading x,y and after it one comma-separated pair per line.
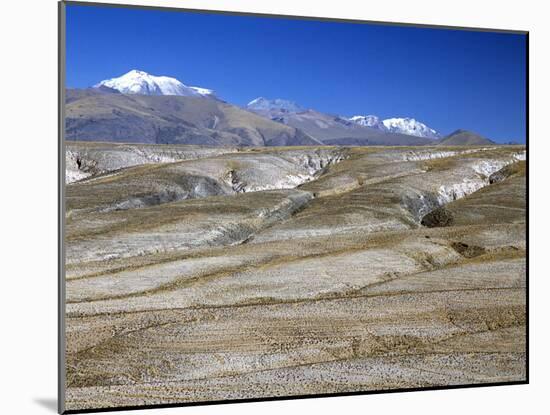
x,y
198,273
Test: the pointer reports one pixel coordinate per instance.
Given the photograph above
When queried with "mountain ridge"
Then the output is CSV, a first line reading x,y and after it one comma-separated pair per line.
x,y
140,107
406,125
329,128
96,115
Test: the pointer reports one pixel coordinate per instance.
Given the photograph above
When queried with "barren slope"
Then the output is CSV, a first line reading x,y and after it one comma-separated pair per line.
x,y
95,115
294,271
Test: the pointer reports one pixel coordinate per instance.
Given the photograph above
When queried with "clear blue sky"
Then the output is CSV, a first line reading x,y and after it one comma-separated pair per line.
x,y
448,79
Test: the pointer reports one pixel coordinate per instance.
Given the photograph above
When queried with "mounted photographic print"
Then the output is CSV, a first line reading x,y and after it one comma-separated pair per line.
x,y
264,207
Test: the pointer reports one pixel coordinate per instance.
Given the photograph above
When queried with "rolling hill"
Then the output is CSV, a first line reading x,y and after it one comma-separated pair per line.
x,y
464,138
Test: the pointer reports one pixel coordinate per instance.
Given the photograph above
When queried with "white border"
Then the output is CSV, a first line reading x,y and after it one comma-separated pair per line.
x,y
29,228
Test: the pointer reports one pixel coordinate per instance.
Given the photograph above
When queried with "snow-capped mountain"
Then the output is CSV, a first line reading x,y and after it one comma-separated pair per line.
x,y
142,83
264,104
408,126
280,109
368,121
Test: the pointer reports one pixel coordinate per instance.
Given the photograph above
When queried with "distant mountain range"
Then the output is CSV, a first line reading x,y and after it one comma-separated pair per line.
x,y
328,128
143,108
408,126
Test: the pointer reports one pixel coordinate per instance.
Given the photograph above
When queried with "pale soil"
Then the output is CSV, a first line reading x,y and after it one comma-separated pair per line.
x,y
291,271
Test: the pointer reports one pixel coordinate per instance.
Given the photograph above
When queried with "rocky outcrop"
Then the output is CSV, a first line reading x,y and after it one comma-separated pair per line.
x,y
194,175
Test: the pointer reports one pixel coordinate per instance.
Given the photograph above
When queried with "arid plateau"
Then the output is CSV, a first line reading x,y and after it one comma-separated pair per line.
x,y
198,273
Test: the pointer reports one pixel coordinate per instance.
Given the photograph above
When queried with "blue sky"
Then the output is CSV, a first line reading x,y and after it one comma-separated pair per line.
x,y
448,79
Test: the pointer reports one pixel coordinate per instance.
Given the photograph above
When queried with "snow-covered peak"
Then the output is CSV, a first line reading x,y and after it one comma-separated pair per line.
x,y
142,83
410,126
264,104
407,126
202,91
367,121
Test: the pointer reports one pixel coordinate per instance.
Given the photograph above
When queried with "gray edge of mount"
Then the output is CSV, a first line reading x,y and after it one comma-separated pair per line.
x,y
61,374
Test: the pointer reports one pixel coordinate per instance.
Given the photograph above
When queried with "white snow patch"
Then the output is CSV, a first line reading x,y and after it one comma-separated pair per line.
x,y
367,121
142,83
408,126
